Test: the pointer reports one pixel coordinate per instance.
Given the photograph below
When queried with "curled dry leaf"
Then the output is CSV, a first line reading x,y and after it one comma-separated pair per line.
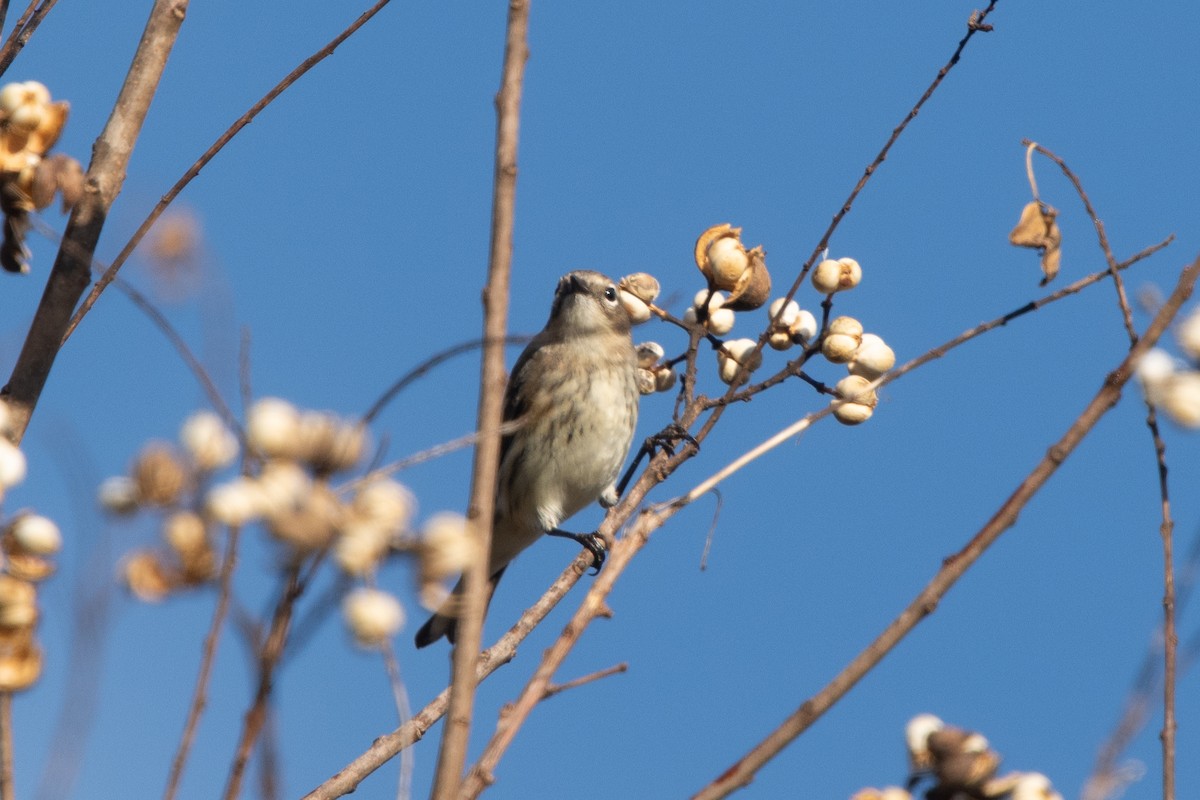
x,y
1037,229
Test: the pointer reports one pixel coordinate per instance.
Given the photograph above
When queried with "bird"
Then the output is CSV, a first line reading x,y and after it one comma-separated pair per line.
x,y
573,393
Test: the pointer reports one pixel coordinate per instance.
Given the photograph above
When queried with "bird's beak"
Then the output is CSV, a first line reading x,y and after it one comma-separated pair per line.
x,y
575,284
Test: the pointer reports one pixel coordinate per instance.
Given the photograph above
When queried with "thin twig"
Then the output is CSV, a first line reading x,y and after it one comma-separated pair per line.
x,y
208,156
437,359
7,789
802,424
403,714
23,30
207,659
385,747
106,174
745,768
558,688
1167,526
268,659
452,753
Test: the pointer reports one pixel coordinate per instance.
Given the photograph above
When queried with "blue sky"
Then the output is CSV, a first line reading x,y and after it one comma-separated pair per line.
x,y
347,229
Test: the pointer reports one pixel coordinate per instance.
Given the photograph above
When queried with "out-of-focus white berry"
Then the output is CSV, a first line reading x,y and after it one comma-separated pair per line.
x,y
446,546
310,524
872,358
1181,398
12,465
1188,335
328,443
804,328
836,276
790,312
372,616
273,427
649,354
36,535
916,737
361,546
118,495
720,321
727,259
1033,786
282,486
1155,366
206,439
235,503
664,379
385,502
184,532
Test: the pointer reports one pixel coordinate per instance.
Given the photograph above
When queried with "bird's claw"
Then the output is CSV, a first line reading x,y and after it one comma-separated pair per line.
x,y
592,542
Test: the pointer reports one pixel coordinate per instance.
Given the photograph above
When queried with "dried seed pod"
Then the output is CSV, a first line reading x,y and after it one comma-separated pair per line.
x,y
159,474
1038,229
147,578
185,533
780,340
20,663
753,288
18,603
1187,333
704,244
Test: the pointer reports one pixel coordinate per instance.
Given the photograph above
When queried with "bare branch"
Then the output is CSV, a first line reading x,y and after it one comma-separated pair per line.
x,y
452,753
208,156
72,267
743,770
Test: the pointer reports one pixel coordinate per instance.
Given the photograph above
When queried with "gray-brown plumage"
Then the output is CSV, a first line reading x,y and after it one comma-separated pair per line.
x,y
575,389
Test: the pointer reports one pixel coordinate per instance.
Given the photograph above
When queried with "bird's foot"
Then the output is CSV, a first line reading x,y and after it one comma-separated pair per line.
x,y
593,542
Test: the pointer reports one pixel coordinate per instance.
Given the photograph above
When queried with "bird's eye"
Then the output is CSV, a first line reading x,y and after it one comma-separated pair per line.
x,y
610,294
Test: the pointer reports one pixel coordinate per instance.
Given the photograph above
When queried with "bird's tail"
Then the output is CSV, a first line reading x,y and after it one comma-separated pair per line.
x,y
445,621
